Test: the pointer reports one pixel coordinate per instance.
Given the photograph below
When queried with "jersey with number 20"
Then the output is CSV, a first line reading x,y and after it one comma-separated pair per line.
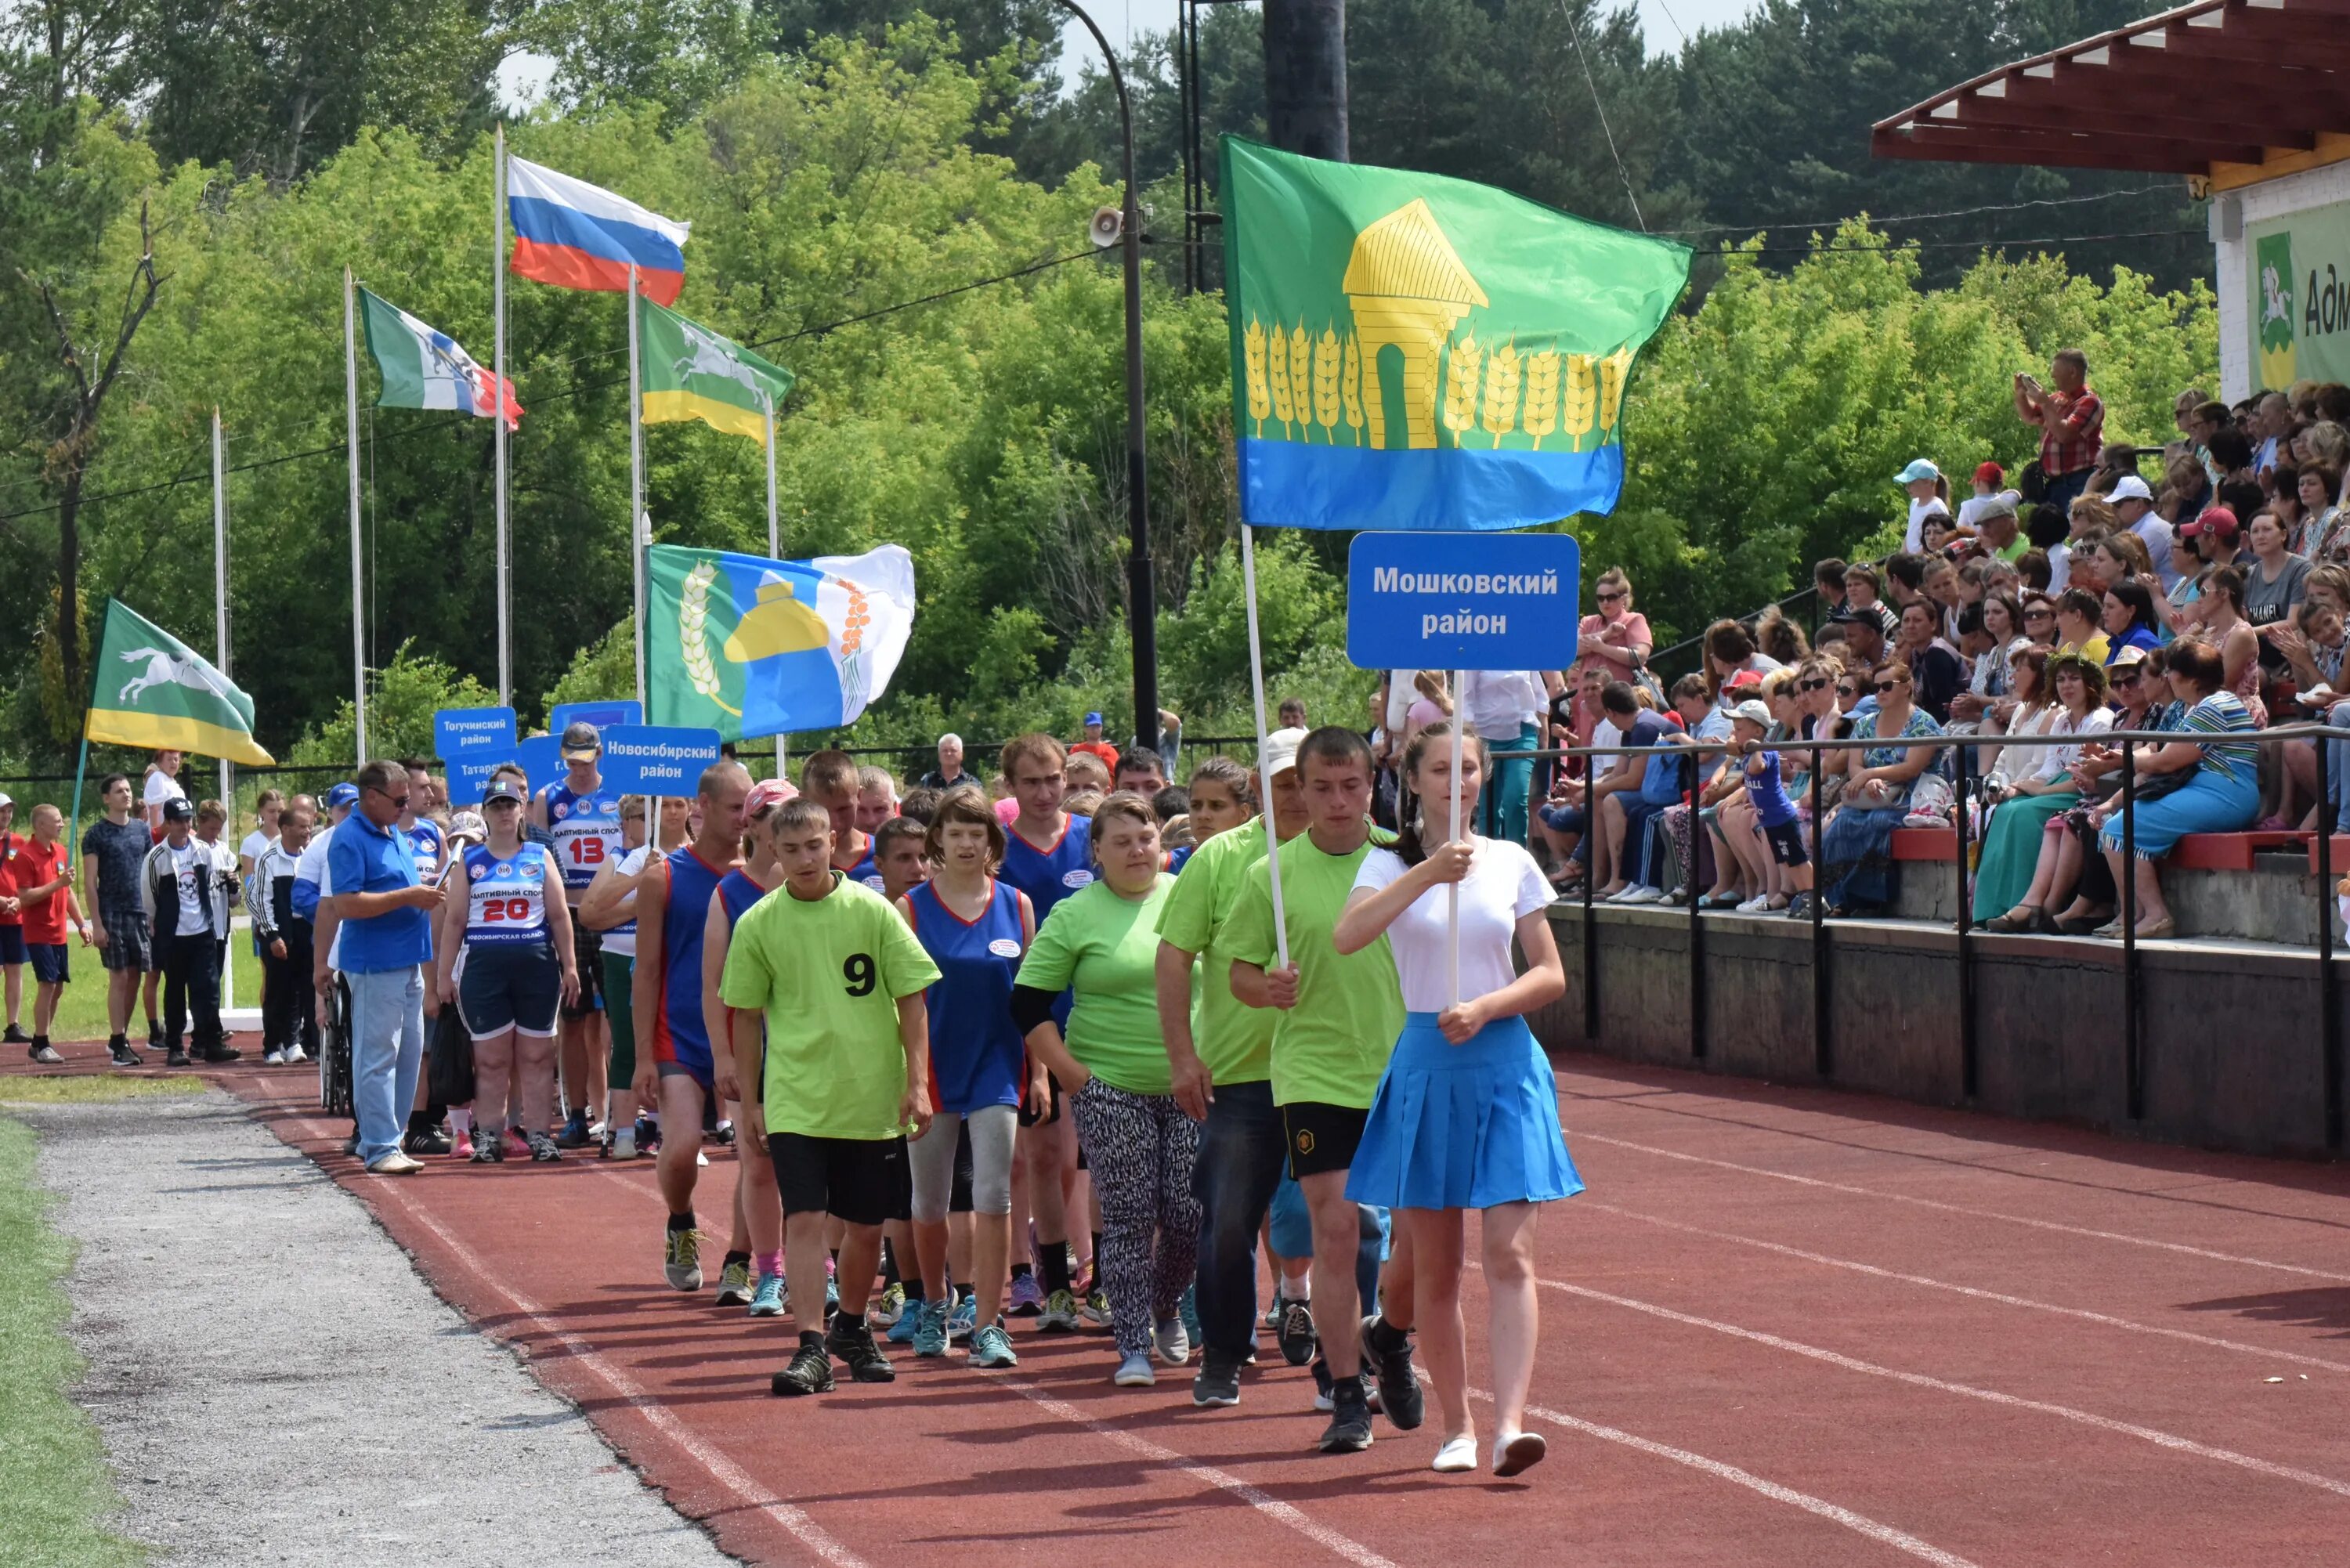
x,y
586,829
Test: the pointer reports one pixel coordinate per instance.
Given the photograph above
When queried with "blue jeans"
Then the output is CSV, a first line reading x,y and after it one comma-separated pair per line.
x,y
387,1052
2340,753
1242,1150
1502,808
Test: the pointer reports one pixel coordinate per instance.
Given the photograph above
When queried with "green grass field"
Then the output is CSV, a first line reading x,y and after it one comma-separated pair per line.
x,y
54,1507
82,1014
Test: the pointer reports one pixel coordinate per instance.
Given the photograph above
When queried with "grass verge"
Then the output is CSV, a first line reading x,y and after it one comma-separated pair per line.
x,y
53,1508
82,1011
89,1088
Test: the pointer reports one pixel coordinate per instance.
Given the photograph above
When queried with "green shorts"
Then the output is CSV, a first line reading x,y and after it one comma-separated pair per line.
x,y
619,971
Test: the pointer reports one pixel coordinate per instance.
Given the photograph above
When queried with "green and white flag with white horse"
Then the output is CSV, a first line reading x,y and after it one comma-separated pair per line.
x,y
149,689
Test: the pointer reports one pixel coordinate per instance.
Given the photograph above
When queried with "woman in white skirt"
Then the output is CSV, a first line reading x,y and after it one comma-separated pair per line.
x,y
1466,1115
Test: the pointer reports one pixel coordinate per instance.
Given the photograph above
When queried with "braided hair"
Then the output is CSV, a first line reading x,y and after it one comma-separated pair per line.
x,y
1409,843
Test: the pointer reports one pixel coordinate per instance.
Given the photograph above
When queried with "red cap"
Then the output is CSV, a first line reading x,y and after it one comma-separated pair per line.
x,y
1990,473
1744,677
2216,520
768,793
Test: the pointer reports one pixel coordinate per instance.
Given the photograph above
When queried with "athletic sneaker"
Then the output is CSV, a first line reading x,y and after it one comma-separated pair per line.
x,y
733,1283
1174,1344
517,1145
154,1035
175,1057
1096,1308
431,1140
964,1317
851,1339
119,1052
1400,1398
991,1348
462,1146
810,1371
682,1259
575,1131
1190,1312
15,1035
621,1145
722,1135
1516,1452
220,1053
488,1151
648,1133
831,1291
1060,1313
1134,1370
46,1054
295,1055
930,1333
1349,1431
1272,1313
910,1323
1323,1391
1027,1297
542,1151
273,1057
1297,1329
1217,1383
767,1298
885,1313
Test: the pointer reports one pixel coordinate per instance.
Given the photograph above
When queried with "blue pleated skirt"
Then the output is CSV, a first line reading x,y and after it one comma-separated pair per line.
x,y
1463,1126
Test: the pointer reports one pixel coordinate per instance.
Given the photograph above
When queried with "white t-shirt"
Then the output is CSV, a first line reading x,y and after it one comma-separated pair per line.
x,y
622,939
161,786
1502,886
312,868
2157,536
192,876
256,845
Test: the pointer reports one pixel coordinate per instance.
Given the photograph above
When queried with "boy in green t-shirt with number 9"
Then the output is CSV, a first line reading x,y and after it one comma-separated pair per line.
x,y
838,979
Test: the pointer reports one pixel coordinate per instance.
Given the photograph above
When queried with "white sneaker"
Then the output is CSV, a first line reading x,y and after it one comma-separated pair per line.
x,y
273,1057
1515,1452
1759,904
624,1144
1643,896
295,1055
1134,1371
1174,1342
1456,1457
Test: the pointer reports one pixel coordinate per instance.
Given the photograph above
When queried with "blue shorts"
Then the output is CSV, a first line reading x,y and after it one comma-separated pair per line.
x,y
12,944
1562,818
503,986
48,962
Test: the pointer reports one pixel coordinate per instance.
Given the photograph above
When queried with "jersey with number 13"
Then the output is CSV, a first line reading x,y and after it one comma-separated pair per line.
x,y
586,829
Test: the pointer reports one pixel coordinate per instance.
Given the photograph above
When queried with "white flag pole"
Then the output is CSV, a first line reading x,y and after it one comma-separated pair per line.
x,y
498,431
351,433
639,535
220,655
775,540
1264,784
1452,889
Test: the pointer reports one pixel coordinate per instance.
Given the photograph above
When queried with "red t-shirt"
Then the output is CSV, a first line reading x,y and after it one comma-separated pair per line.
x,y
11,848
37,867
1102,749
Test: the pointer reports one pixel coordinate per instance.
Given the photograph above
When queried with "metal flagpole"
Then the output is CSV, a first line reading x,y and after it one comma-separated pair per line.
x,y
351,433
638,532
220,655
774,541
1452,889
498,434
1264,784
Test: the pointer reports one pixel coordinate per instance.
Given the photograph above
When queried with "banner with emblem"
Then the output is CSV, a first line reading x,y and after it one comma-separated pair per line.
x,y
1410,351
689,372
149,689
750,646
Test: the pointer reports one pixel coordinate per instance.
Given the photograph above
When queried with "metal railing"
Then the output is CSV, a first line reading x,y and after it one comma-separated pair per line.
x,y
2133,1025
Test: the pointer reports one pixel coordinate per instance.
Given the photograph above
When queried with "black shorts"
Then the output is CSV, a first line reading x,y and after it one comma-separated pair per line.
x,y
588,950
1322,1137
12,944
48,962
1786,842
857,1181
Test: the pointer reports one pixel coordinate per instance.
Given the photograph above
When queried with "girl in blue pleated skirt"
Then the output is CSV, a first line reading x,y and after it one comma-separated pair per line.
x,y
1466,1115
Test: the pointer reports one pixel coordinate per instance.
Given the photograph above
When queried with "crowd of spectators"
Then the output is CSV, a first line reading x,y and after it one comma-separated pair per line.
x,y
2200,588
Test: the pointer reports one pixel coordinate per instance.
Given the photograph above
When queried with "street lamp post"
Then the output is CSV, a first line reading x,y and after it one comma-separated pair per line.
x,y
1142,613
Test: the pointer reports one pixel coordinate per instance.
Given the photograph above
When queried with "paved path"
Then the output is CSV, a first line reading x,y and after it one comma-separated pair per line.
x,y
276,1384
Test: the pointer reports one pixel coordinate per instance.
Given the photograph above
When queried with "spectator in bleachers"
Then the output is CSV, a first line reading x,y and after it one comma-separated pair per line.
x,y
2036,785
2078,612
2129,617
1827,581
1778,638
2072,422
1862,586
2273,580
1856,846
1616,633
2223,791
1936,674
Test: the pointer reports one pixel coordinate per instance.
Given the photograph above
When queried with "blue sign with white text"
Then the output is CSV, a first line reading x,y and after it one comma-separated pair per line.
x,y
648,759
603,714
469,780
1462,601
466,734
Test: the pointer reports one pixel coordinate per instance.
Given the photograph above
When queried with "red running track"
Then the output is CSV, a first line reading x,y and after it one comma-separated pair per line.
x,y
1783,1326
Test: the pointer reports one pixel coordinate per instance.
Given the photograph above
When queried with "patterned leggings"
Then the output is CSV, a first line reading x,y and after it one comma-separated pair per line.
x,y
1140,1149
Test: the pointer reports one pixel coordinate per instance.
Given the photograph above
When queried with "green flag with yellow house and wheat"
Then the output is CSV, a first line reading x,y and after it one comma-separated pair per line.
x,y
149,689
1415,352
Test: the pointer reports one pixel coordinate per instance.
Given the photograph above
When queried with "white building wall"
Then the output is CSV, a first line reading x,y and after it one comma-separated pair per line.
x,y
2257,204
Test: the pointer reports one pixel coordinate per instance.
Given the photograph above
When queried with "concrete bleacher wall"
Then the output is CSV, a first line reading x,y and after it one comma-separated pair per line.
x,y
2230,1048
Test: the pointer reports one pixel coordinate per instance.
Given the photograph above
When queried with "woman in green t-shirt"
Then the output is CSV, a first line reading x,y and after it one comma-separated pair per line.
x,y
1102,944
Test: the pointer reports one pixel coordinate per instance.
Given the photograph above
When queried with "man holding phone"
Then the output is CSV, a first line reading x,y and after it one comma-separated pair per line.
x,y
2072,420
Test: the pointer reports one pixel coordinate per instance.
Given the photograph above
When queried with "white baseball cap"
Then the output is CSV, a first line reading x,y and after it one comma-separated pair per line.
x,y
6,801
1752,711
2129,487
1280,754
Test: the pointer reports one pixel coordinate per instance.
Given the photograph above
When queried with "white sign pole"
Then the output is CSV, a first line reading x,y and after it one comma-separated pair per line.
x,y
639,535
498,431
220,657
775,538
1264,784
1452,889
359,587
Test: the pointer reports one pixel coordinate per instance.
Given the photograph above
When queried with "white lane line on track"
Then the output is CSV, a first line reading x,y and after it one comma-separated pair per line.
x,y
1589,1137
2000,1297
1885,1534
720,1469
1943,1385
1272,1508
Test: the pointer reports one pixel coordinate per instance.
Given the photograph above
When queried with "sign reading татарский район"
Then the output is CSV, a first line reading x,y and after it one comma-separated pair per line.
x,y
1462,601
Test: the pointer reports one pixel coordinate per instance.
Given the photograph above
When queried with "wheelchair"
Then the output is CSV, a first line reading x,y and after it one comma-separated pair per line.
x,y
335,1053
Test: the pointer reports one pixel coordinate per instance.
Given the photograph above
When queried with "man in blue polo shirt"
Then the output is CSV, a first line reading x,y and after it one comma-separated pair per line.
x,y
382,910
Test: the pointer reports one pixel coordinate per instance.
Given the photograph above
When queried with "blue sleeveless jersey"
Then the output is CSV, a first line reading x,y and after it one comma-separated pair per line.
x,y
680,1034
586,832
506,899
1049,875
976,1055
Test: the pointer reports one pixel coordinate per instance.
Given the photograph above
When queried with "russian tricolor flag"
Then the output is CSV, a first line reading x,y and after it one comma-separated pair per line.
x,y
573,234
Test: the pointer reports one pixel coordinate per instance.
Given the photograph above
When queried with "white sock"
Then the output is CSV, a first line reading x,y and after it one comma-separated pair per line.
x,y
461,1119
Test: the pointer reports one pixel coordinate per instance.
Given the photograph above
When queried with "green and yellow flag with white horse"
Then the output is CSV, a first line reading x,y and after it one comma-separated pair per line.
x,y
149,689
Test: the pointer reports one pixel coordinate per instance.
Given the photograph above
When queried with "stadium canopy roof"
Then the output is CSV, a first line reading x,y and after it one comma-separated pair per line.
x,y
2228,91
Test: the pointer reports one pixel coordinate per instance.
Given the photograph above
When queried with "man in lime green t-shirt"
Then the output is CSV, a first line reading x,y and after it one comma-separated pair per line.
x,y
1339,1016
838,979
1221,1053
